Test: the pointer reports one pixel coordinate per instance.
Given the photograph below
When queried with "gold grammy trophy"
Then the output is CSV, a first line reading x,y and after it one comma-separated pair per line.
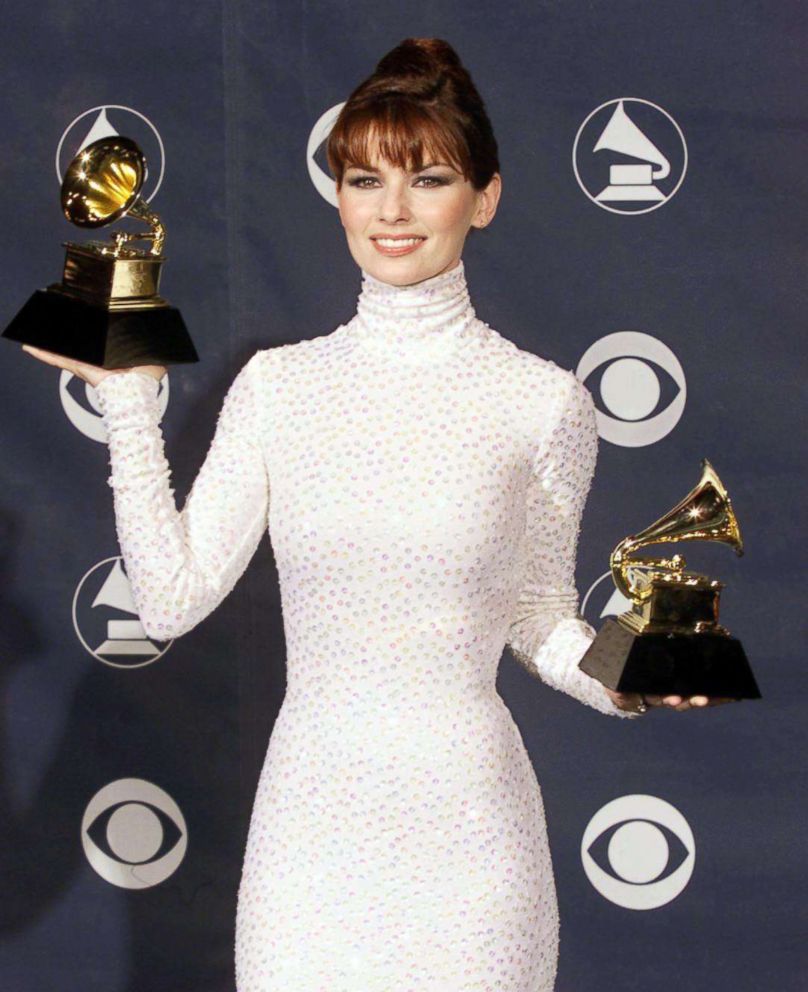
x,y
107,310
670,641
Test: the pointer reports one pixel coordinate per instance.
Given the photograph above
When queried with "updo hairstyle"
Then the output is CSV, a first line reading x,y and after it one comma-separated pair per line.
x,y
420,101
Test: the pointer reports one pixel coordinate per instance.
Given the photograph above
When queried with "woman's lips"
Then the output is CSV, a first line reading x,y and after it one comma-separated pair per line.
x,y
385,246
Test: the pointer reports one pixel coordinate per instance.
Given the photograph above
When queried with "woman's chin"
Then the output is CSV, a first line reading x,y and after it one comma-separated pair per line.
x,y
404,270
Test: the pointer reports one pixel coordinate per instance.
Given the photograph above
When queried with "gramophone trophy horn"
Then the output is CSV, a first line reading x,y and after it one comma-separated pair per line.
x,y
705,514
103,184
107,310
670,641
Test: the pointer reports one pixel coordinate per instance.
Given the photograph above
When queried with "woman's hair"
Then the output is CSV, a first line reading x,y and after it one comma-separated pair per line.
x,y
419,101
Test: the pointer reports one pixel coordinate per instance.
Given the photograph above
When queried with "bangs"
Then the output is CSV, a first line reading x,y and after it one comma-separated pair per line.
x,y
406,135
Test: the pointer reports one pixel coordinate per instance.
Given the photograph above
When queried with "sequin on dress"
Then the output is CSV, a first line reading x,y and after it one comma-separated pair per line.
x,y
422,481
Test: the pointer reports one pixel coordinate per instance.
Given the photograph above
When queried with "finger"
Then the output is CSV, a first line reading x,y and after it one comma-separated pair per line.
x,y
91,374
37,352
671,700
50,357
42,353
698,700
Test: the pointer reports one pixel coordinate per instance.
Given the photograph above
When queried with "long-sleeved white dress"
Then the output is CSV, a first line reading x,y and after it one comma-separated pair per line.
x,y
422,480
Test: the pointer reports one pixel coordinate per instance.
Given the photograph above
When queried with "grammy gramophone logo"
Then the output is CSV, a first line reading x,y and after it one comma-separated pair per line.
x,y
603,600
629,156
106,621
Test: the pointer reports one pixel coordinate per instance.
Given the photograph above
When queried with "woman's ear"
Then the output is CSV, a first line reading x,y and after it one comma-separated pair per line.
x,y
487,200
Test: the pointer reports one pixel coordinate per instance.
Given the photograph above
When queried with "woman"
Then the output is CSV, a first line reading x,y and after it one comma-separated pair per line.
x,y
422,479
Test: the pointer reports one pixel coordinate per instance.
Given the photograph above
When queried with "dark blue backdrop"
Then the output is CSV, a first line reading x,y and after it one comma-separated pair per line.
x,y
256,256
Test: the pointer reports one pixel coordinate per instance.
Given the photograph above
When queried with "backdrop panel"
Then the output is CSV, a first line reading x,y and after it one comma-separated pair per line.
x,y
681,309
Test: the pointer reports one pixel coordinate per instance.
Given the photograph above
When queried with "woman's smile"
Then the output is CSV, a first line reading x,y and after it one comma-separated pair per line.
x,y
396,244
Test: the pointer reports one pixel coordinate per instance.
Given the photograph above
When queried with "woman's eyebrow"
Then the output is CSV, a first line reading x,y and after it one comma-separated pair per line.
x,y
369,168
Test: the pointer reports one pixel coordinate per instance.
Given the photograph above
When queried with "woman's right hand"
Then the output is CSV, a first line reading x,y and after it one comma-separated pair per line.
x,y
92,374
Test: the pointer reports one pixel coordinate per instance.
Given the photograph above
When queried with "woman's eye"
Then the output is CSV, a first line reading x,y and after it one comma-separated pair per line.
x,y
429,182
360,181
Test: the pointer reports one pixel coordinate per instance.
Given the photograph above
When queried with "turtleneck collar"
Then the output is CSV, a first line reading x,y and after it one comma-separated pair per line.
x,y
426,319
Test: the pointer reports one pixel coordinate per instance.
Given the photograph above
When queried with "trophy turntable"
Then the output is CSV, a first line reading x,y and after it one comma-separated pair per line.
x,y
670,642
107,310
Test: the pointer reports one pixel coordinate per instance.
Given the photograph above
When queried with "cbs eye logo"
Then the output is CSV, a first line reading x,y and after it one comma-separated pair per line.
x,y
315,154
640,385
133,834
638,852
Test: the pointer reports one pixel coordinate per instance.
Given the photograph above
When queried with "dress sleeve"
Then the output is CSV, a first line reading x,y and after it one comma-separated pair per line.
x,y
548,636
182,564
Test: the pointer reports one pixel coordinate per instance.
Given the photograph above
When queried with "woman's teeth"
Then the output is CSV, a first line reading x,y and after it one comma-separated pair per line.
x,y
397,242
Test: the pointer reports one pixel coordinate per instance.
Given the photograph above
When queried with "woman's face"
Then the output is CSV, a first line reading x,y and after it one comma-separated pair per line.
x,y
403,227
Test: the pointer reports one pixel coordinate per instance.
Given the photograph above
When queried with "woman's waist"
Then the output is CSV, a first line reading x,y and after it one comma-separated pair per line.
x,y
387,693
461,717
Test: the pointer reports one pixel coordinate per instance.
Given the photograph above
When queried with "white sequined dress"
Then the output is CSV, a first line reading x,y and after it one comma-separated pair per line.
x,y
422,480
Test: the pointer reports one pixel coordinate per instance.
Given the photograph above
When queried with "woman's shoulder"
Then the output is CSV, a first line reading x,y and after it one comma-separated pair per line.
x,y
283,355
290,363
540,388
538,369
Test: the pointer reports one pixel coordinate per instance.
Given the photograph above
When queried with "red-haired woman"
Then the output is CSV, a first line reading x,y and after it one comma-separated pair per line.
x,y
422,479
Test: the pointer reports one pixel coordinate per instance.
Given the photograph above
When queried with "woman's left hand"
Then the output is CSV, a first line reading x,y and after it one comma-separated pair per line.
x,y
630,701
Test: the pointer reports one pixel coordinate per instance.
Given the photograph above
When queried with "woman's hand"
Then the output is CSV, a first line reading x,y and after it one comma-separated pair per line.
x,y
91,374
630,700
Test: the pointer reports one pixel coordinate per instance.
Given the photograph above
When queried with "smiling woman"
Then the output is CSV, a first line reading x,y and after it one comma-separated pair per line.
x,y
423,481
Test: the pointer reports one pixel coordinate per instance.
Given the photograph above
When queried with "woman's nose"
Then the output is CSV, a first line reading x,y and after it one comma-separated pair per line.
x,y
394,205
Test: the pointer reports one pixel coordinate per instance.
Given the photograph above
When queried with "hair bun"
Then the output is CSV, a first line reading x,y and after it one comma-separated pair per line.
x,y
419,96
415,56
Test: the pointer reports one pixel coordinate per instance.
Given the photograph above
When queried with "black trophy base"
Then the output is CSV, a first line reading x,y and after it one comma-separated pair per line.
x,y
669,664
110,339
